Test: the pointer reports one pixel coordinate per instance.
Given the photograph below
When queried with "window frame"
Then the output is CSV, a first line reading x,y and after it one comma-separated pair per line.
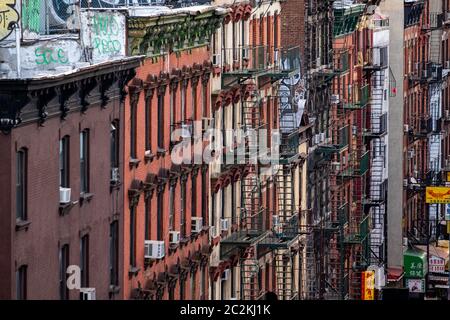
x,y
64,261
64,162
84,161
84,263
21,183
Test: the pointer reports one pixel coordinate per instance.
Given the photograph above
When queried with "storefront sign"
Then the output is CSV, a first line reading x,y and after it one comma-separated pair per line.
x,y
415,263
437,195
416,285
436,264
368,285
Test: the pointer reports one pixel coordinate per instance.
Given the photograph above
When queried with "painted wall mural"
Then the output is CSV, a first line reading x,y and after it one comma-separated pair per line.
x,y
8,16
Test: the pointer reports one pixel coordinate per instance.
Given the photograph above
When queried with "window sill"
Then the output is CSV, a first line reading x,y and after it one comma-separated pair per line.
x,y
133,271
22,224
64,208
149,156
160,152
114,289
134,163
114,185
85,196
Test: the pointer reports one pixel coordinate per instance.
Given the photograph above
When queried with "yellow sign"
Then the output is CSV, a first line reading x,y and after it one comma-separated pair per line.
x,y
368,285
437,195
448,227
448,176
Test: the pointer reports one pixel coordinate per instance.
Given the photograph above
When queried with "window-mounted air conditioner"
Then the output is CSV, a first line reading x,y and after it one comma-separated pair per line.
x,y
174,237
87,294
212,232
216,59
196,224
186,131
64,195
225,275
114,174
335,98
275,220
154,249
406,128
223,224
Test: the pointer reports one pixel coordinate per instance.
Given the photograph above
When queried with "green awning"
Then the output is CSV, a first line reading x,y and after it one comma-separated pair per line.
x,y
415,262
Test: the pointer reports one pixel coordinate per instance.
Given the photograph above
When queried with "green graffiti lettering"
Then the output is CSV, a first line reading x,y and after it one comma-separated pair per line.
x,y
46,56
106,30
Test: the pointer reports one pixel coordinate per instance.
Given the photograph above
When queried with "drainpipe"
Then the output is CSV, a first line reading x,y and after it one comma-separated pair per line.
x,y
16,27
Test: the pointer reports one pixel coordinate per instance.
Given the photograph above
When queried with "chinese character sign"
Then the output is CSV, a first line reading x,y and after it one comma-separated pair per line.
x,y
368,285
437,195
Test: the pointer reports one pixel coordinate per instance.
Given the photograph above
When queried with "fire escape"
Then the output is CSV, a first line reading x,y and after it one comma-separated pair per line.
x,y
349,225
376,68
256,67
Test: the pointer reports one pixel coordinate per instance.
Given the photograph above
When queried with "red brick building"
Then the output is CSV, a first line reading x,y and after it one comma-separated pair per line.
x,y
166,206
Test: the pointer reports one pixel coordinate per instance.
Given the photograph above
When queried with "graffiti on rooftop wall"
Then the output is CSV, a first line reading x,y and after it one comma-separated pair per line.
x,y
8,16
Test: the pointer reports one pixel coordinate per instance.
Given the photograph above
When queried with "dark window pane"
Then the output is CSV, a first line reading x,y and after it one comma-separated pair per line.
x,y
21,187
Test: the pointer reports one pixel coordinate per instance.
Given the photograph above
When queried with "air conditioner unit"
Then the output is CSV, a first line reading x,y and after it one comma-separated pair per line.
x,y
87,294
322,137
405,182
335,98
406,128
154,249
245,53
336,166
225,275
212,232
216,59
411,154
316,138
233,298
275,220
207,123
405,241
223,224
447,65
114,174
186,131
174,237
64,195
196,224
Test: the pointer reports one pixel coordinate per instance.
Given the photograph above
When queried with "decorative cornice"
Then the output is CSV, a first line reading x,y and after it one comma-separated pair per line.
x,y
152,35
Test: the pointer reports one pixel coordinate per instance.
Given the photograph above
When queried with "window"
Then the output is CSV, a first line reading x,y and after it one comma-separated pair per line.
x,y
194,103
182,289
213,209
160,216
233,283
133,236
171,207
84,160
148,122
222,193
194,197
21,283
161,121
63,265
192,286
84,261
147,218
204,197
275,30
202,283
233,202
115,144
64,147
133,131
35,16
173,108
183,100
21,185
114,253
204,102
183,210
